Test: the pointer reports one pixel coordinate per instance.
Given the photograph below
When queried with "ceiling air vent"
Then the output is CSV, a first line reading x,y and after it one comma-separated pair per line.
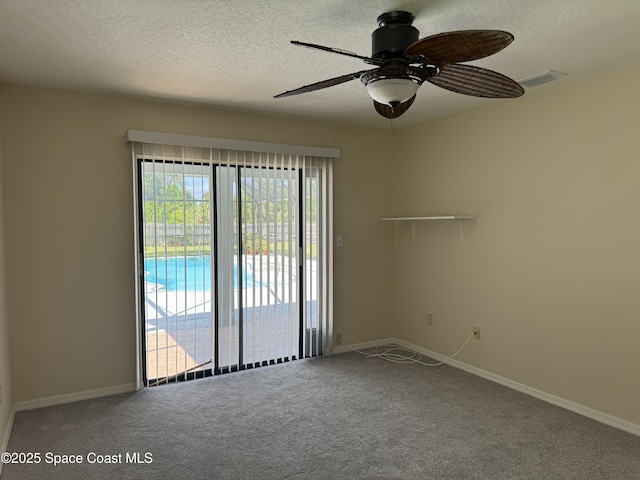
x,y
540,78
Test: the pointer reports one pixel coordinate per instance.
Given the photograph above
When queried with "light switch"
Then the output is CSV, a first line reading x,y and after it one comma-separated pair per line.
x,y
338,240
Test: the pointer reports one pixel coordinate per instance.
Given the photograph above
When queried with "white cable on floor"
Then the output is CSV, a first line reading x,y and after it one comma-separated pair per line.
x,y
404,355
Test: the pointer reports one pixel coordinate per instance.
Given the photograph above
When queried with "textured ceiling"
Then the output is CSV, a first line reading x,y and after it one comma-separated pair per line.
x,y
236,54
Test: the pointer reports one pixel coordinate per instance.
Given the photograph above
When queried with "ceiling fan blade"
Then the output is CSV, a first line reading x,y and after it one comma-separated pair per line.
x,y
369,60
476,81
323,84
388,112
460,46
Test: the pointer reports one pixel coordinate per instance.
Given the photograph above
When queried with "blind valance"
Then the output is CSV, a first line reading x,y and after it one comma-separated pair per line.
x,y
160,138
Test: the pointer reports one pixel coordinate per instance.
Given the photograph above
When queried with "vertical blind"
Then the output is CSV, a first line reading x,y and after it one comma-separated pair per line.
x,y
233,258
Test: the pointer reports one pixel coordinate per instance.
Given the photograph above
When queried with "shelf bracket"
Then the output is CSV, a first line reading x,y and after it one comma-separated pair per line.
x,y
460,218
461,221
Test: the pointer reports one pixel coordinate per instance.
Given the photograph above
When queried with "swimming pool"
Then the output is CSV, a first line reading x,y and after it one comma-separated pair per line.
x,y
187,273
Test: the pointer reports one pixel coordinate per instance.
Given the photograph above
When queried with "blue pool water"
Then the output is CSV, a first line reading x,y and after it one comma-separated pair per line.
x,y
190,273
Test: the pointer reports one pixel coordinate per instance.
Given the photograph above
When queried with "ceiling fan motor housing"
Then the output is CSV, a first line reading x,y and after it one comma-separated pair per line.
x,y
394,35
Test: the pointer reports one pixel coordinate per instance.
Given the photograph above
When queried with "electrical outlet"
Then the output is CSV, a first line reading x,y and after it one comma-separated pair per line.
x,y
429,319
476,332
339,339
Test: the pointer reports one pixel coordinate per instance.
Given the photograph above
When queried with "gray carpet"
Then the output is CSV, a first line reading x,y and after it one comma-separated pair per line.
x,y
338,417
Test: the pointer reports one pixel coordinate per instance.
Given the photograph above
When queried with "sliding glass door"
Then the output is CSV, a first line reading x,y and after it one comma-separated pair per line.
x,y
257,237
231,265
176,246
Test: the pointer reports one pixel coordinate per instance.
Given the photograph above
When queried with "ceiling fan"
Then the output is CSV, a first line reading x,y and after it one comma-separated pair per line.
x,y
403,63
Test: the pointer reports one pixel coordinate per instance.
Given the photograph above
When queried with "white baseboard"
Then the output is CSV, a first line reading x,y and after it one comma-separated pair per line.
x,y
547,397
58,400
7,434
360,346
73,397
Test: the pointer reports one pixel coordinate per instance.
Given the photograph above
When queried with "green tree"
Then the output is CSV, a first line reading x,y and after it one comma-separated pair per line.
x,y
166,200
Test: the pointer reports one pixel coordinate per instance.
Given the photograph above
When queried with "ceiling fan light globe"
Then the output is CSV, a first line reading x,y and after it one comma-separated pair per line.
x,y
392,91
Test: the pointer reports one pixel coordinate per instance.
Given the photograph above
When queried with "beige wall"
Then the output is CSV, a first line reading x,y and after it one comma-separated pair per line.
x,y
550,271
5,373
67,190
